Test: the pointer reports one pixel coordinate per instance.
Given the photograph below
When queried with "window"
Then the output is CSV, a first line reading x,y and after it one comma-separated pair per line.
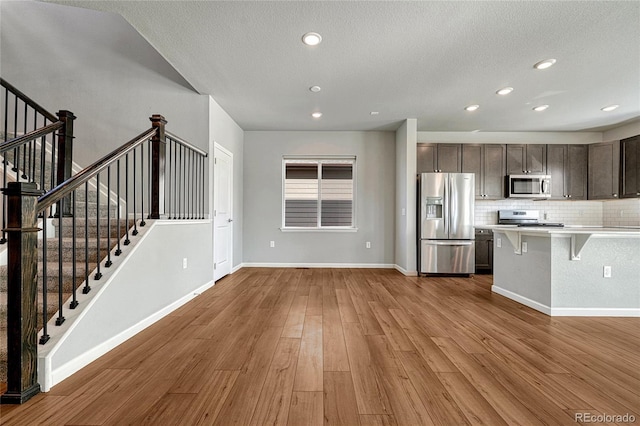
x,y
318,193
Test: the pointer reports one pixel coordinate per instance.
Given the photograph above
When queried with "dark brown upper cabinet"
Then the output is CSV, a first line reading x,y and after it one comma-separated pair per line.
x,y
524,159
630,162
441,157
487,161
567,166
604,167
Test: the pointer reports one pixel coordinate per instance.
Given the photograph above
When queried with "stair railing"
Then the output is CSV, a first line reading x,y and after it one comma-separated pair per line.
x,y
28,144
141,179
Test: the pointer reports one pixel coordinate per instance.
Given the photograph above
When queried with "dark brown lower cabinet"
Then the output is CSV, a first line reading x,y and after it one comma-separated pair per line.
x,y
484,251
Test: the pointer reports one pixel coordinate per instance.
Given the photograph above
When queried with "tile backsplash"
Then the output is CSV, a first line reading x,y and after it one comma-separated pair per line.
x,y
586,213
621,212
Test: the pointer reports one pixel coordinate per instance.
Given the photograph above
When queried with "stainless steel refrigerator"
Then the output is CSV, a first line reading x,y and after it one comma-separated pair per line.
x,y
446,204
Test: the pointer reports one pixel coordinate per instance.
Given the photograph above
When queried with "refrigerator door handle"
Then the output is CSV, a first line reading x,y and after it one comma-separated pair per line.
x,y
446,201
449,243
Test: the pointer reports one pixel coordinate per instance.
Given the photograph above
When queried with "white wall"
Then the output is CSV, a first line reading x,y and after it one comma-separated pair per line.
x,y
226,132
97,66
375,200
129,297
406,198
622,132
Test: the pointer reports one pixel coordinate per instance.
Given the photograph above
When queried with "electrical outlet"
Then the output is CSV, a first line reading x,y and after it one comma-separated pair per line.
x,y
272,244
368,244
184,263
606,271
525,247
404,212
498,242
545,215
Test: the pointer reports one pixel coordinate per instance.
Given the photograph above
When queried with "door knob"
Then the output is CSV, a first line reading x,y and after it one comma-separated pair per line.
x,y
229,220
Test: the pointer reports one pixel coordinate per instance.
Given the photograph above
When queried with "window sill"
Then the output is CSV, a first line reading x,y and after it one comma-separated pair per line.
x,y
291,229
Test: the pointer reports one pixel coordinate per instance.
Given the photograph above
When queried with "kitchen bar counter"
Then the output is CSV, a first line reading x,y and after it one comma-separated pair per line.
x,y
560,270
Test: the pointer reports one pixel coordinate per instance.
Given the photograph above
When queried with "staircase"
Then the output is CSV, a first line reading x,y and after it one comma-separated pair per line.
x,y
84,227
156,175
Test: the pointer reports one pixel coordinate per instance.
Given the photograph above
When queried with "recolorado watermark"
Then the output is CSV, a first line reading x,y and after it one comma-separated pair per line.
x,y
604,418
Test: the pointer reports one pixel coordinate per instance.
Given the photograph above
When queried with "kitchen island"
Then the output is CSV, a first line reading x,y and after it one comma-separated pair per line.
x,y
570,271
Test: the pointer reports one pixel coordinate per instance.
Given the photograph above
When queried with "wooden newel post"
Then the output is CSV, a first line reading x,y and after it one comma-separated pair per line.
x,y
158,151
22,270
65,155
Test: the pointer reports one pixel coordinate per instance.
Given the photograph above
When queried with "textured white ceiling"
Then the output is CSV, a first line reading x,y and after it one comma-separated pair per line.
x,y
418,59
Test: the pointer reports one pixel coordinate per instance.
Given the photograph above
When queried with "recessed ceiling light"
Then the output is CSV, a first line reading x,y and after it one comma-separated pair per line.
x,y
472,107
315,89
374,113
543,65
505,91
540,108
316,114
609,108
311,39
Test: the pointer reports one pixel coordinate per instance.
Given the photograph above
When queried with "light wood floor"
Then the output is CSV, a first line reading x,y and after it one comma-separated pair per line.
x,y
353,347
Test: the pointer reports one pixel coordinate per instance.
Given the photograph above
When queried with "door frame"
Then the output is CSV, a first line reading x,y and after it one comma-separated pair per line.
x,y
217,146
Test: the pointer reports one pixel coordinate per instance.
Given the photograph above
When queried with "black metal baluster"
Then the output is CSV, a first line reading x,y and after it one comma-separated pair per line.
x,y
142,222
149,163
98,273
24,147
45,336
74,300
53,166
191,186
118,251
86,289
43,157
127,241
60,319
135,215
203,176
187,184
167,178
199,185
32,150
108,263
194,178
200,170
16,157
180,183
175,180
196,169
5,163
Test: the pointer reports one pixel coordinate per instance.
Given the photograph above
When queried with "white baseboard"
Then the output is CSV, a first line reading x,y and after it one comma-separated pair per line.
x,y
567,312
595,312
318,265
237,268
69,368
521,299
405,272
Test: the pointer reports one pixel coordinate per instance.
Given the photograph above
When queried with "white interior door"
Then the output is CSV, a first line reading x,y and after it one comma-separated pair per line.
x,y
222,211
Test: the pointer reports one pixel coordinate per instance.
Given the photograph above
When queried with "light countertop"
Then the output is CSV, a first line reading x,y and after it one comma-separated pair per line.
x,y
595,230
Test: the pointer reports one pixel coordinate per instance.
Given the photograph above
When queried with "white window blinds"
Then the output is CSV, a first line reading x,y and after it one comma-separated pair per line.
x,y
318,193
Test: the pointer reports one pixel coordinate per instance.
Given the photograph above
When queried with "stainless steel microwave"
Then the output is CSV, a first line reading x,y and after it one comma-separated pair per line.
x,y
529,186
